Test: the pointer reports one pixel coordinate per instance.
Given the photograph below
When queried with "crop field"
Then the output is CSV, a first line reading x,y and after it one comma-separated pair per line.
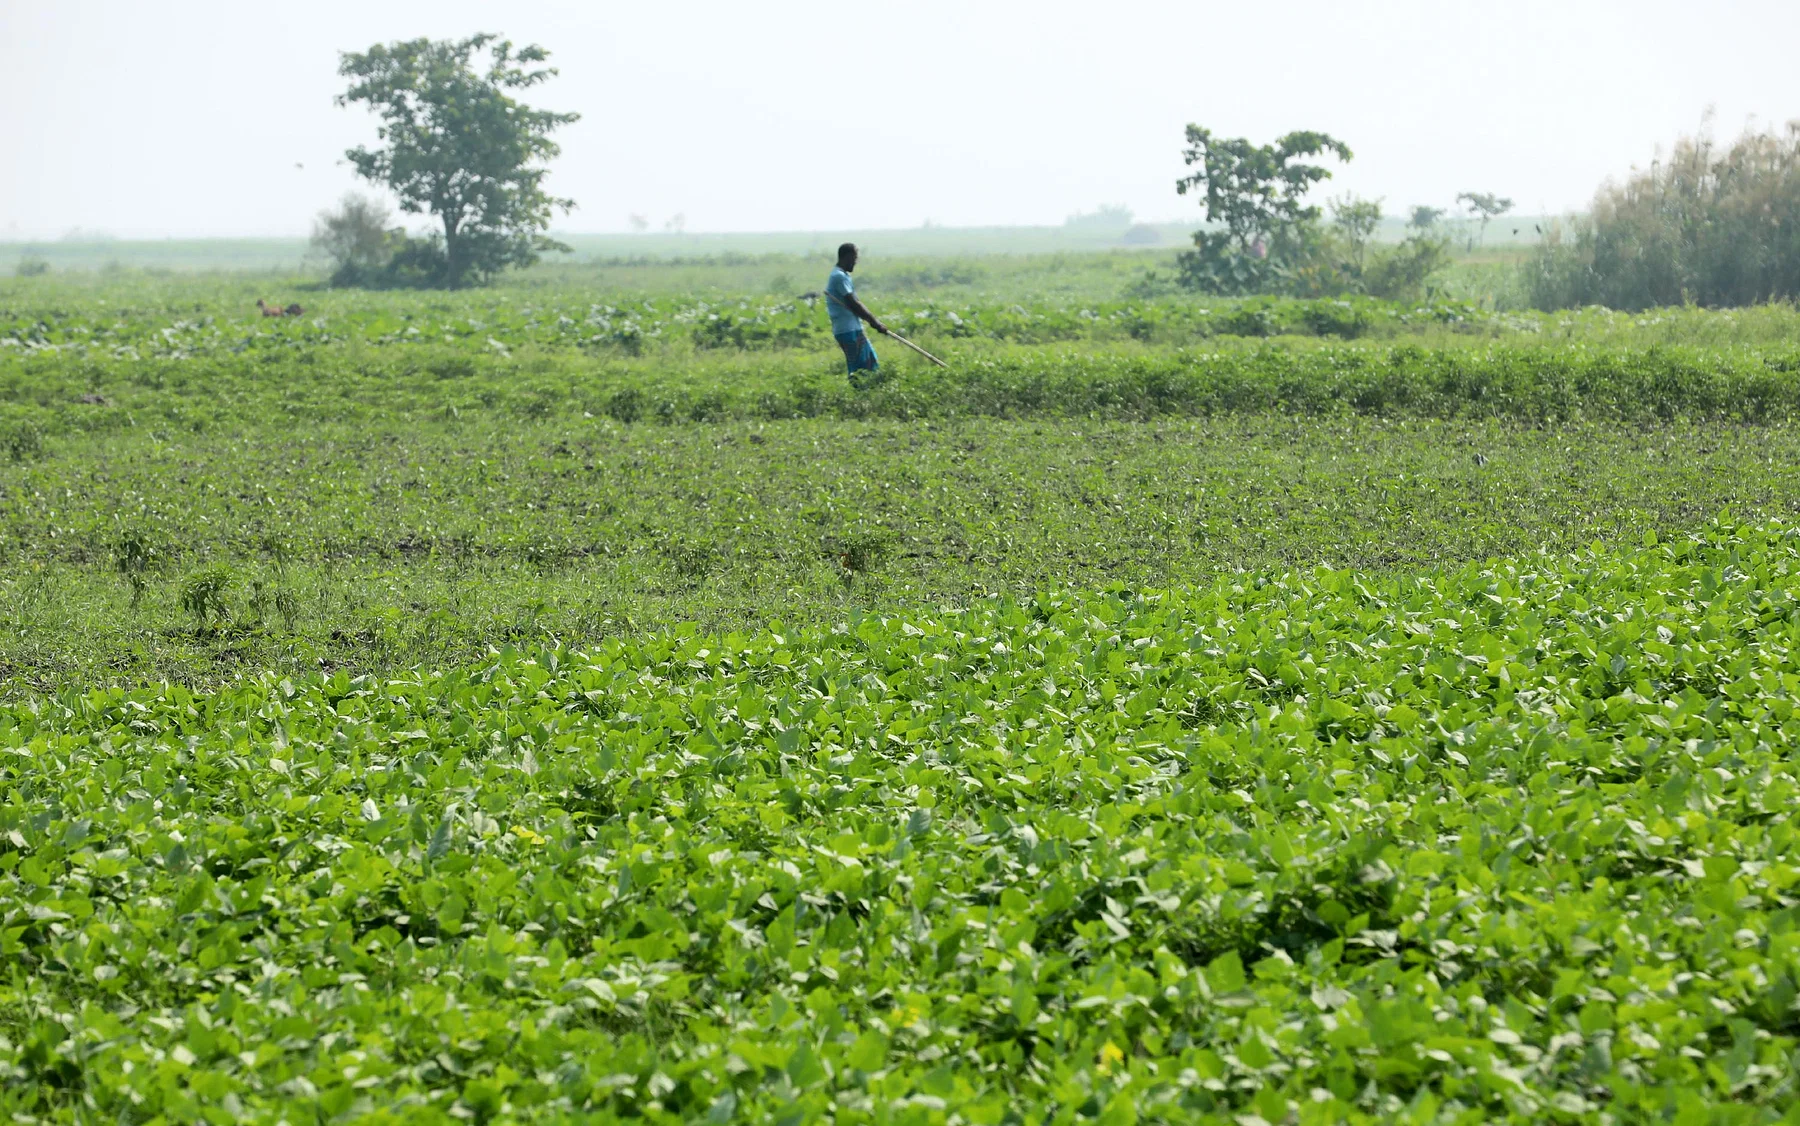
x,y
574,701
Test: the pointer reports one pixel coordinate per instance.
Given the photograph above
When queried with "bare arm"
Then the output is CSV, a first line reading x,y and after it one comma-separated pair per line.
x,y
850,302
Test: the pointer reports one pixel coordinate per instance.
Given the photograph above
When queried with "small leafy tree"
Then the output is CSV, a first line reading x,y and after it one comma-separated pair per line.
x,y
1400,273
1255,196
1487,205
456,144
355,238
1424,218
135,556
1356,220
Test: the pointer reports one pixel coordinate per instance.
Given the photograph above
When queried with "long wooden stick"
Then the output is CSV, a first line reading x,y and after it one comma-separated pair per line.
x,y
896,336
917,349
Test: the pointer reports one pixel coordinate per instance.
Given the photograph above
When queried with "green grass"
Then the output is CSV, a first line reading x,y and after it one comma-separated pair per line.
x,y
1503,842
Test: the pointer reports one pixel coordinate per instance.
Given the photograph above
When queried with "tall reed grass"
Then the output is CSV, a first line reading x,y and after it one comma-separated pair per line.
x,y
1703,227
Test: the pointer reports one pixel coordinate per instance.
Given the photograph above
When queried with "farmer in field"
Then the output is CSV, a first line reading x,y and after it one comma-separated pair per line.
x,y
847,313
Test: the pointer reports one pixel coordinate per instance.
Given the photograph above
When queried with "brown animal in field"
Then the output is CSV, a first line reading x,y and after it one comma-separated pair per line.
x,y
277,311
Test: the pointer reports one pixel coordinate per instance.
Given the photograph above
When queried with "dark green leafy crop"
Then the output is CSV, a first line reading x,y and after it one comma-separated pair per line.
x,y
1506,841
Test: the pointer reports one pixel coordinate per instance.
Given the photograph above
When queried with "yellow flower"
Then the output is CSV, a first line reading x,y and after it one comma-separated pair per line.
x,y
1110,1053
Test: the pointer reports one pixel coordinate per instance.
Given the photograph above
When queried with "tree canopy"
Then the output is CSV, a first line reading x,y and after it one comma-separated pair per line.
x,y
1256,197
1256,189
457,145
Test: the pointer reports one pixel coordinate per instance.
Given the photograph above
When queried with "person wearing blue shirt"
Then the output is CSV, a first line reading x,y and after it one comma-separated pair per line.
x,y
847,313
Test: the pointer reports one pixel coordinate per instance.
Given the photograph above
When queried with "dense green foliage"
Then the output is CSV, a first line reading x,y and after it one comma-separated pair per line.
x,y
1501,841
1715,229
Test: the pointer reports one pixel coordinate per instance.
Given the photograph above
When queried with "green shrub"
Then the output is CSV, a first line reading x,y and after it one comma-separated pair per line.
x,y
402,261
1399,273
135,556
1315,262
1253,318
355,238
1345,319
413,263
21,437
204,596
627,405
366,253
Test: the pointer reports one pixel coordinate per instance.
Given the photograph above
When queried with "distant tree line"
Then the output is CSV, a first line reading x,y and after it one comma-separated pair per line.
x,y
1704,227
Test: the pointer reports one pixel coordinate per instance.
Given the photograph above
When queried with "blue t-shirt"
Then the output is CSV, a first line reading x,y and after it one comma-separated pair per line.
x,y
838,287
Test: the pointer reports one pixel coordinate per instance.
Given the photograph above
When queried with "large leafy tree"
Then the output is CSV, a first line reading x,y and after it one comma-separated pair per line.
x,y
457,144
1255,197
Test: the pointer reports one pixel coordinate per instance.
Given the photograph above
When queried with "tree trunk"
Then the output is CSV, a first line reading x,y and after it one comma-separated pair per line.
x,y
453,266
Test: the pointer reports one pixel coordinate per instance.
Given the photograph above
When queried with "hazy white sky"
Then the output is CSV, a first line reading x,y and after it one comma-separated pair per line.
x,y
189,117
